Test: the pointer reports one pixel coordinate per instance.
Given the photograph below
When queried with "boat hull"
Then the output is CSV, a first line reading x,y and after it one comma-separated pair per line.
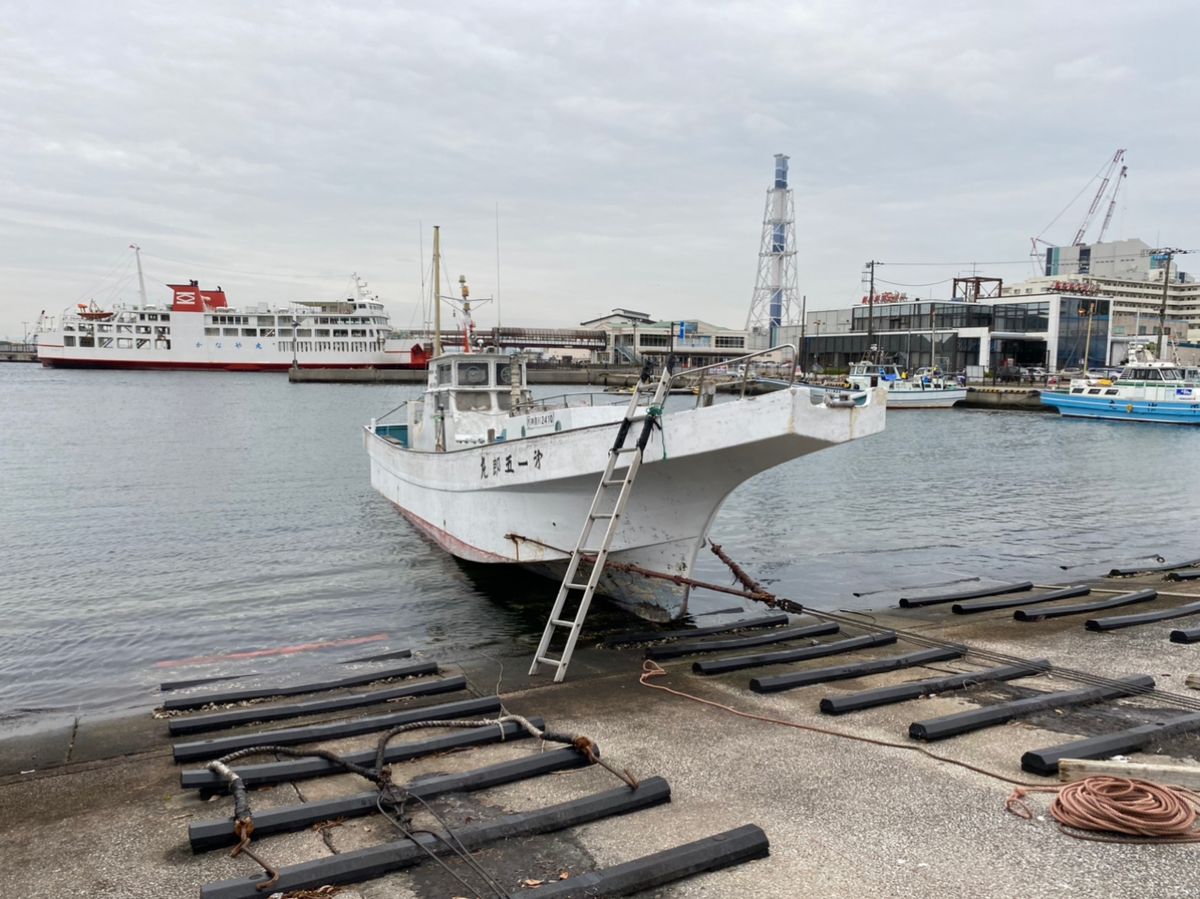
x,y
1119,409
934,398
524,501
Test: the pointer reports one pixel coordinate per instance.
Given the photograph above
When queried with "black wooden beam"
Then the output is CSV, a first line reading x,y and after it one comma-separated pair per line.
x,y
977,719
1045,761
782,635
866,699
211,749
376,861
1125,599
1113,622
843,672
652,636
304,769
195,724
723,850
738,663
198,700
213,834
913,602
968,608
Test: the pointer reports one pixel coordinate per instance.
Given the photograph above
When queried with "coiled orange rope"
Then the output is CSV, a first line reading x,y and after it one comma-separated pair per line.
x,y
1118,805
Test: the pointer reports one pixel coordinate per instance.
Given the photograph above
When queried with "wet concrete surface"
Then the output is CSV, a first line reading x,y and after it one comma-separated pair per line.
x,y
852,806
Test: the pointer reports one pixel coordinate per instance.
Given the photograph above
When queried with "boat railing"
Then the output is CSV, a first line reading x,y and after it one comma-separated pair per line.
x,y
737,362
383,419
566,400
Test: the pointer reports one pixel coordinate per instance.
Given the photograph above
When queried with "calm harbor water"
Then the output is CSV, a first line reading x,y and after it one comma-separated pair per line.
x,y
153,517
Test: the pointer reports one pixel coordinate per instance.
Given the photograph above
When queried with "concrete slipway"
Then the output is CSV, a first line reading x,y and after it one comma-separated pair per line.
x,y
103,815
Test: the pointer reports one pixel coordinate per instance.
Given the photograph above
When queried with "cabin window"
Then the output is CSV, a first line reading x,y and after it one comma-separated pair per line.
x,y
266,320
124,343
504,401
340,332
1112,391
1094,390
503,373
358,333
304,332
212,332
443,374
143,343
472,402
321,332
1076,390
249,332
104,329
473,374
230,332
69,340
105,342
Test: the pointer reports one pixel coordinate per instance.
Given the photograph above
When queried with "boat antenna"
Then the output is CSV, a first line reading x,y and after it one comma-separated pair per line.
x,y
421,267
498,265
137,252
437,292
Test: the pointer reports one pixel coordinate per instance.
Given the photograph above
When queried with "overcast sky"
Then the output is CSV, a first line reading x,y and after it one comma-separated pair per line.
x,y
627,145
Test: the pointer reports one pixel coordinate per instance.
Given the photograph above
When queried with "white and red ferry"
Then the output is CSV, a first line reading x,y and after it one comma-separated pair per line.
x,y
200,330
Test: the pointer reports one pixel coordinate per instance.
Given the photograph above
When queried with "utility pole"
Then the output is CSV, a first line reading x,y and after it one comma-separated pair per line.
x,y
1166,254
871,309
803,333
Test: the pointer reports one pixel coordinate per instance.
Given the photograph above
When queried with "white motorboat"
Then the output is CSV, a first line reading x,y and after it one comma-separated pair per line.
x,y
924,389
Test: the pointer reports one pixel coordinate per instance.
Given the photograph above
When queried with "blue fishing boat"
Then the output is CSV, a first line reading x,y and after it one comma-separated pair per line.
x,y
1145,391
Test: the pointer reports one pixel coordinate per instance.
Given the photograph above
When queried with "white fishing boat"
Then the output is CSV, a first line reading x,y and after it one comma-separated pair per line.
x,y
494,476
924,389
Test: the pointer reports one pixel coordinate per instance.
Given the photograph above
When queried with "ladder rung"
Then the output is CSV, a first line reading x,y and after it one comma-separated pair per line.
x,y
613,482
546,660
558,622
577,586
626,449
604,515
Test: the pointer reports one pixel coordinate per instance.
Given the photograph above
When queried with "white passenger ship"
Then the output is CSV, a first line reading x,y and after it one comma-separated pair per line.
x,y
199,330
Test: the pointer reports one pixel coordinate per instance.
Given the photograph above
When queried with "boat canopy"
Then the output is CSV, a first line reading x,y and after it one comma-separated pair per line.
x,y
1151,373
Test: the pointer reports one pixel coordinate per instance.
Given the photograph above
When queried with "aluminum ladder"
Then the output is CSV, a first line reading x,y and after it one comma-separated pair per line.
x,y
603,499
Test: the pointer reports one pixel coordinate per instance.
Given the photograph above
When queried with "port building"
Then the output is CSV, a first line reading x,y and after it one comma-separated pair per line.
x,y
1090,304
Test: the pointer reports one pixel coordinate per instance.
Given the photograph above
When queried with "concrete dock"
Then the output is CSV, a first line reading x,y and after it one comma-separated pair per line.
x,y
852,806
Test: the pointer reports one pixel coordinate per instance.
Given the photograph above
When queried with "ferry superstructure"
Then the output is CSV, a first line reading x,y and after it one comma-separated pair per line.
x,y
199,330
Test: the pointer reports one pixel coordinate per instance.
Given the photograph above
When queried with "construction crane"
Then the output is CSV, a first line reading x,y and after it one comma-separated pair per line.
x,y
1112,204
1087,219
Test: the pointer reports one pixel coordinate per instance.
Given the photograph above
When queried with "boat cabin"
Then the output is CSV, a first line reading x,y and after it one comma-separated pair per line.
x,y
1154,374
468,401
874,372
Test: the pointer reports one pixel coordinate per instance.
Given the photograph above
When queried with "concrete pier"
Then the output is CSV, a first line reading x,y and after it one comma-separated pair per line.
x,y
846,818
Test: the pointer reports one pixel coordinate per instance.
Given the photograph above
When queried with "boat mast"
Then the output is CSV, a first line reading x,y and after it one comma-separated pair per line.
x,y
137,252
437,292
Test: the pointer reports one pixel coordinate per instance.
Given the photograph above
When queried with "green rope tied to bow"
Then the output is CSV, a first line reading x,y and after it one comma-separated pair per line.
x,y
656,413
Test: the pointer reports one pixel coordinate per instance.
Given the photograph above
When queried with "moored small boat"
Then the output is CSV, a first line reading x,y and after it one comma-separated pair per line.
x,y
1145,391
925,389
